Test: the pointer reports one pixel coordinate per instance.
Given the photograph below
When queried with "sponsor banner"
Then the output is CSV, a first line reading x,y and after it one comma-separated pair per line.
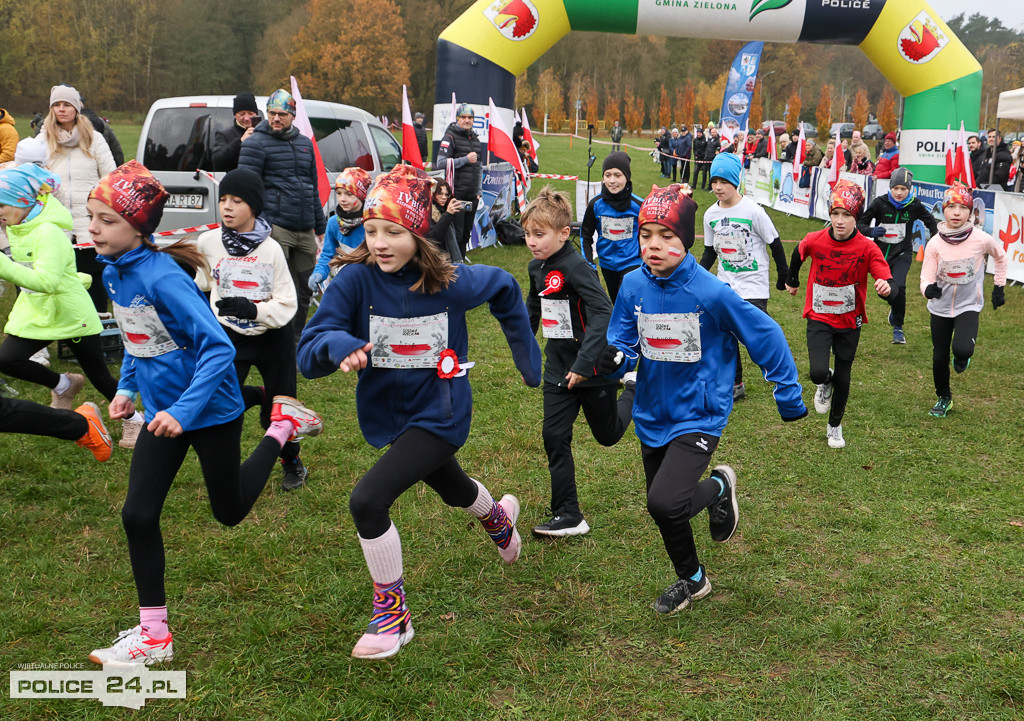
x,y
772,20
924,146
821,191
984,204
759,181
443,118
496,204
791,198
739,89
839,22
1009,225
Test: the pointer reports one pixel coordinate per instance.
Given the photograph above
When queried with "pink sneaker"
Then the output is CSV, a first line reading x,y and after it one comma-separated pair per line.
x,y
510,553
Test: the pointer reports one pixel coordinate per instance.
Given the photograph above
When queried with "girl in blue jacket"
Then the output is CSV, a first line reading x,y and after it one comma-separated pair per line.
x,y
682,324
179,359
396,313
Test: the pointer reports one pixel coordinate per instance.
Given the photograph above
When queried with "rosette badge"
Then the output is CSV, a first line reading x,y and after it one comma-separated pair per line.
x,y
553,283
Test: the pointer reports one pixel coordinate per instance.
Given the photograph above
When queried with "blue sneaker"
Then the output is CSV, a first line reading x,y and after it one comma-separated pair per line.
x,y
897,336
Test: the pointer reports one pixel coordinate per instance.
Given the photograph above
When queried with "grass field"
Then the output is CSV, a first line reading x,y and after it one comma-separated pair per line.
x,y
877,582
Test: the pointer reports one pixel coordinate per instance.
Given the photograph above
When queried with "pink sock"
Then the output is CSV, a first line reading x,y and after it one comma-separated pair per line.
x,y
153,620
281,431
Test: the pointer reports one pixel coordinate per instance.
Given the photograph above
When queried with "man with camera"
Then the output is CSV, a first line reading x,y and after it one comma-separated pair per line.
x,y
461,146
228,143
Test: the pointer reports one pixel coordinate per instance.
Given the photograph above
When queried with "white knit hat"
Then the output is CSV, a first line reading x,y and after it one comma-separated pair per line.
x,y
30,150
66,93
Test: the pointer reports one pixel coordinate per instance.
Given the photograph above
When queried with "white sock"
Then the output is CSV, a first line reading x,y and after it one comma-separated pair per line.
x,y
383,556
138,417
63,384
484,501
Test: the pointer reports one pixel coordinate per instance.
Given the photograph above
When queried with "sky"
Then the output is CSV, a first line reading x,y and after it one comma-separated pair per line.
x,y
1010,12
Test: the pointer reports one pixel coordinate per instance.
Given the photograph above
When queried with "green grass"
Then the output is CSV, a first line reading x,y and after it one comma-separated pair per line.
x,y
877,582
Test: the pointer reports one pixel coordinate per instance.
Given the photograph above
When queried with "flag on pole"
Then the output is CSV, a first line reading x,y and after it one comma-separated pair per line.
x,y
834,169
950,161
528,136
306,128
410,148
451,119
964,153
772,153
499,142
800,155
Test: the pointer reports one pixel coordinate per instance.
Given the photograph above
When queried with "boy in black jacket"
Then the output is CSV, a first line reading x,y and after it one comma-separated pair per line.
x,y
895,216
566,299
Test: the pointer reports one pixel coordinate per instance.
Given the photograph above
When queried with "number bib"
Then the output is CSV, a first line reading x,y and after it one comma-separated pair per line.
x,y
834,301
732,243
143,333
237,278
673,337
957,272
554,318
408,342
617,228
894,233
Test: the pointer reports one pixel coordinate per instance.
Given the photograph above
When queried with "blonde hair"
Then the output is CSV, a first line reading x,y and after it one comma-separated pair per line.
x,y
53,146
551,209
437,269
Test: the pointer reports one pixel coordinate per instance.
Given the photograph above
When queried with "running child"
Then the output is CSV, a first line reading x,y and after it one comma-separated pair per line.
x,y
345,231
682,325
179,359
841,259
738,234
397,314
953,281
894,216
612,215
252,293
566,299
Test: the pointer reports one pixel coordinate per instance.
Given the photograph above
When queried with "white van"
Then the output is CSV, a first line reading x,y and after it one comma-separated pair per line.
x,y
177,141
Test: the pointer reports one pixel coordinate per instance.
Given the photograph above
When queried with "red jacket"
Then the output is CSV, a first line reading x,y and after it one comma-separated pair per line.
x,y
885,166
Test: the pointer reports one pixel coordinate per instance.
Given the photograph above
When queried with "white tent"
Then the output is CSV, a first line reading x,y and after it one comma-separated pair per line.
x,y
1011,105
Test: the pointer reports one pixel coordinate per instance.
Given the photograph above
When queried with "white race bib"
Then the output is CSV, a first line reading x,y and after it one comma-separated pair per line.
x,y
836,301
555,320
408,342
733,245
673,337
957,272
617,228
239,278
143,333
894,233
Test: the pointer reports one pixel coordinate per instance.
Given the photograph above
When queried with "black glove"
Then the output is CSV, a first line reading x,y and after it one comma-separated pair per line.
x,y
780,282
237,307
610,361
998,296
933,291
877,232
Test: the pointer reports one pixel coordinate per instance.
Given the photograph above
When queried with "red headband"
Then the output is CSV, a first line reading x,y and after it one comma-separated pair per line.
x,y
401,196
673,208
134,194
355,181
847,195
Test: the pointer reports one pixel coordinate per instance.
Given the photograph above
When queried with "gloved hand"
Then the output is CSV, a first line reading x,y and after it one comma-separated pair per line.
x,y
237,307
315,279
933,291
998,296
877,232
780,282
610,360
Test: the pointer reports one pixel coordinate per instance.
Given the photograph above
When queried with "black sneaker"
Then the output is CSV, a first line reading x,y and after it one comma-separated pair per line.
x,y
942,407
559,526
724,514
682,594
294,475
961,365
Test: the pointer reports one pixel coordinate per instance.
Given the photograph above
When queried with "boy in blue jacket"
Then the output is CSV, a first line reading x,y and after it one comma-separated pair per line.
x,y
681,324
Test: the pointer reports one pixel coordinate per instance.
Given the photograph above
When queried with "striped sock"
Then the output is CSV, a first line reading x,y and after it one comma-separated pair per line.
x,y
390,615
497,525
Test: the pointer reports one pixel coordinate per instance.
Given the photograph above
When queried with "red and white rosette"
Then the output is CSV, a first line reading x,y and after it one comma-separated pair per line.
x,y
554,282
448,364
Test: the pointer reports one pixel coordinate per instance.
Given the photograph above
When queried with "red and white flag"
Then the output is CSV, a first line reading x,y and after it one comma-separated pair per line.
x,y
499,143
964,158
410,148
772,153
528,136
836,167
304,126
454,108
800,155
951,157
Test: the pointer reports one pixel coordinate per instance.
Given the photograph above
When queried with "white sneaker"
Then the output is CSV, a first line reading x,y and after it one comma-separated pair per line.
x,y
823,397
629,378
835,436
510,504
306,422
42,357
134,647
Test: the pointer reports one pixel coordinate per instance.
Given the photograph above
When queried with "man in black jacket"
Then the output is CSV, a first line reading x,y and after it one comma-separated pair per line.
x,y
997,173
714,144
461,146
421,136
228,143
977,155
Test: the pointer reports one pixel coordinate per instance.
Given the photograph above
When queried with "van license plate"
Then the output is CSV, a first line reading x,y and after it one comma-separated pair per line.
x,y
186,200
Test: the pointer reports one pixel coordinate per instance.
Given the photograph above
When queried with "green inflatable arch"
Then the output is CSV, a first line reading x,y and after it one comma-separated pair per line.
x,y
480,54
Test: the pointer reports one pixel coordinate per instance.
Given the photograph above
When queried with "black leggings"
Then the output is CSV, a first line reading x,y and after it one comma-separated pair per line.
x,y
273,355
232,488
676,493
14,361
761,303
899,267
822,341
613,279
19,416
416,455
960,333
464,226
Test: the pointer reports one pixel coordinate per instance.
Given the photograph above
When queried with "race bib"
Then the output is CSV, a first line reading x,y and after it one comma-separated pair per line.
x,y
143,334
408,342
836,301
238,278
894,233
732,243
957,272
617,228
555,320
673,337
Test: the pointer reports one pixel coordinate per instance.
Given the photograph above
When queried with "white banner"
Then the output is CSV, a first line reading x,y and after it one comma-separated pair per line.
x,y
1009,230
792,199
584,196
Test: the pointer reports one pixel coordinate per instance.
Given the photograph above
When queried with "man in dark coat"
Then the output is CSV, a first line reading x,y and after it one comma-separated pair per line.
x,y
997,173
421,136
228,143
461,146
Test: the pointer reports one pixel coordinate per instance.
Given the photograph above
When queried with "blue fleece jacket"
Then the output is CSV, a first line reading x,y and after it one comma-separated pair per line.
x,y
684,329
177,356
333,240
401,388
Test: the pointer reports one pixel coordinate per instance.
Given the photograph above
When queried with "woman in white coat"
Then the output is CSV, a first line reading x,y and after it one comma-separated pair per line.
x,y
80,156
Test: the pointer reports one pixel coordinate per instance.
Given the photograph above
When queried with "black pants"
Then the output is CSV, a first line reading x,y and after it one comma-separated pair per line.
x,y
683,168
273,355
960,333
701,168
232,488
416,455
464,225
608,419
676,493
761,303
899,267
822,341
15,353
19,416
613,279
85,262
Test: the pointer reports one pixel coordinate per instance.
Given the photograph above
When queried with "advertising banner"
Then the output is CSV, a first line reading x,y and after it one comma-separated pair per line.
x,y
739,88
496,204
1009,220
791,199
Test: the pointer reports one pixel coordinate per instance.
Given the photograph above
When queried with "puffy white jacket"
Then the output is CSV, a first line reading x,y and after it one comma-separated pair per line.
x,y
79,173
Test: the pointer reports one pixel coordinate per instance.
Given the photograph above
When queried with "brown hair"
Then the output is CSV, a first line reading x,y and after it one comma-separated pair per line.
x,y
438,271
183,252
551,209
85,131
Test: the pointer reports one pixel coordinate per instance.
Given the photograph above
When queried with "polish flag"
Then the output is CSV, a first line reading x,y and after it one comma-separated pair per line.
x,y
410,148
772,153
454,108
964,158
800,155
835,168
499,142
304,126
951,169
528,136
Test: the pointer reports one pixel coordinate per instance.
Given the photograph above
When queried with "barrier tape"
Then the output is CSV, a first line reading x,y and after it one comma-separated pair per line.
x,y
552,176
186,231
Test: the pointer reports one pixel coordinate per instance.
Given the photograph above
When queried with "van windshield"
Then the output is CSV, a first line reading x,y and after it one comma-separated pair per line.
x,y
182,138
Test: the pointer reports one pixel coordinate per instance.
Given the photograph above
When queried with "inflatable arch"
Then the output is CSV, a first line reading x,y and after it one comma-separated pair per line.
x,y
481,53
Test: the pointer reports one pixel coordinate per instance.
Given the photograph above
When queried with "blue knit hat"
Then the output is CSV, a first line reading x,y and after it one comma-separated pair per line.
x,y
727,167
22,186
281,101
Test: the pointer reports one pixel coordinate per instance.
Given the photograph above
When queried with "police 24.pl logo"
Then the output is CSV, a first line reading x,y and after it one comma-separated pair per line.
x,y
515,19
921,40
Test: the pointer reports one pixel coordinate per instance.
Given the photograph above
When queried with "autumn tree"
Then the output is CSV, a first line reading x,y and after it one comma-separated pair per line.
x,y
824,111
687,114
793,107
634,112
755,108
887,110
860,108
524,91
590,104
548,100
336,56
664,117
611,109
